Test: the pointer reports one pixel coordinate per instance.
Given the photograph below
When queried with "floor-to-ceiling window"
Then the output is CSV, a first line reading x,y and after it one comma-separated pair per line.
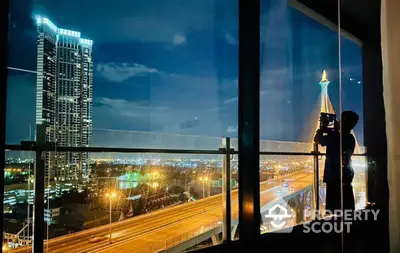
x,y
122,122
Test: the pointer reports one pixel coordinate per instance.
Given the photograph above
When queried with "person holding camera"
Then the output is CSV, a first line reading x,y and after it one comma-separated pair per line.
x,y
329,137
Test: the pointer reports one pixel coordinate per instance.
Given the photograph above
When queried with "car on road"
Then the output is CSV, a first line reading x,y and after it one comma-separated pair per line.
x,y
95,239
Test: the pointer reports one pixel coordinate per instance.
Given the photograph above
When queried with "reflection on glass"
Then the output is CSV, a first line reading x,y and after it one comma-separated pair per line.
x,y
140,139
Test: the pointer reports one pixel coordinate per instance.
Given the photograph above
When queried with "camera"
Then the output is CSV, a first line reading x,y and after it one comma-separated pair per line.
x,y
327,120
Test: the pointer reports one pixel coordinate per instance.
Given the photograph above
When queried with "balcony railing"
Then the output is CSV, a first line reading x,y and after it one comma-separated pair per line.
x,y
215,147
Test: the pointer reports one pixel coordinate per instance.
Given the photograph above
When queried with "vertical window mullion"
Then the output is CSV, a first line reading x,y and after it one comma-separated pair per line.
x,y
249,108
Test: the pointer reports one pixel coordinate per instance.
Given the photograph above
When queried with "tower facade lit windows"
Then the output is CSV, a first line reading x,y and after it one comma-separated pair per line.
x,y
64,98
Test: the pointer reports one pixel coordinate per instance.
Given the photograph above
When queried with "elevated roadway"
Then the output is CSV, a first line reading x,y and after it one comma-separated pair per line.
x,y
168,227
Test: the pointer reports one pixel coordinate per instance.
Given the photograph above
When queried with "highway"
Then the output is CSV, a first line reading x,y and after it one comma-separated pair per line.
x,y
164,228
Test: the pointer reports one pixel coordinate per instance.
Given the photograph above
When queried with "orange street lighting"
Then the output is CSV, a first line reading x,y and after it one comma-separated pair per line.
x,y
111,196
203,180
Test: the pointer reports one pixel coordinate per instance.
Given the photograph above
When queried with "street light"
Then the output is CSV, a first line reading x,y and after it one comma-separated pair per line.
x,y
155,185
204,180
111,196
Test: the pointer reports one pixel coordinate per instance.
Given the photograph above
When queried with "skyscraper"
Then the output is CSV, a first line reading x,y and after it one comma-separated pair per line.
x,y
64,97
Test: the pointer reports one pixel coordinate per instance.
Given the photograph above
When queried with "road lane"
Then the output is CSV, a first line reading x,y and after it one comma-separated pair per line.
x,y
157,227
150,243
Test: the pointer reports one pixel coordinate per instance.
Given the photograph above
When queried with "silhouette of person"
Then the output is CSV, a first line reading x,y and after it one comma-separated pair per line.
x,y
330,138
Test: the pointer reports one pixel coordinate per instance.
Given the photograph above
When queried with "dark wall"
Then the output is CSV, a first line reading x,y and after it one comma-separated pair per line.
x,y
375,137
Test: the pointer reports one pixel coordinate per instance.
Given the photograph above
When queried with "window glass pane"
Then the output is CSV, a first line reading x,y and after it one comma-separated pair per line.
x,y
159,75
21,92
160,200
286,182
352,99
161,70
21,36
299,80
18,199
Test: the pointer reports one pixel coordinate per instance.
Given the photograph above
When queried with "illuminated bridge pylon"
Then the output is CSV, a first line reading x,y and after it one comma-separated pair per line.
x,y
327,107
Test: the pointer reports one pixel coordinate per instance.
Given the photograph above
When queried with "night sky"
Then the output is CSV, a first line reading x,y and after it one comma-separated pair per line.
x,y
171,67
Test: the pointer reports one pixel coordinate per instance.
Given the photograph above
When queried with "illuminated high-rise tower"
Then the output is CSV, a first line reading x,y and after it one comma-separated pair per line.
x,y
64,97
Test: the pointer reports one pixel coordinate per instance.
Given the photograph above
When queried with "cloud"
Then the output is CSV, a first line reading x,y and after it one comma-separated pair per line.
x,y
178,39
126,20
231,100
230,39
118,72
232,129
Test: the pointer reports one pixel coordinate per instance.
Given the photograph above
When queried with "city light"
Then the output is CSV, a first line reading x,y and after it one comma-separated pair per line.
x,y
86,42
111,195
204,179
69,33
41,20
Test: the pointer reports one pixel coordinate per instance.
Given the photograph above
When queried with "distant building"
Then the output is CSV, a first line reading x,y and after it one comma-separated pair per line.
x,y
16,233
64,97
23,194
51,214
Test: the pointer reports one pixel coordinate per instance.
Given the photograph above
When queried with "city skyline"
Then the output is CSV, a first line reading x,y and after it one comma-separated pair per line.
x,y
184,81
